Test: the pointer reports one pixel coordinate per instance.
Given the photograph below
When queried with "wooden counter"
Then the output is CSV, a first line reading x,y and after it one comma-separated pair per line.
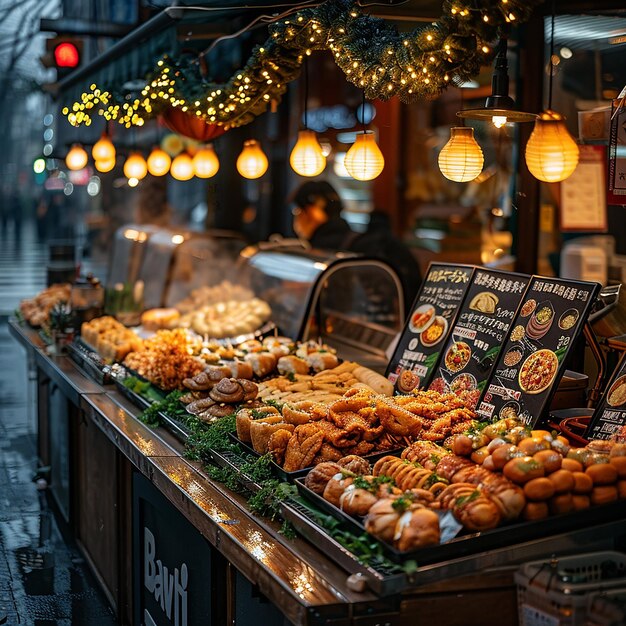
x,y
111,452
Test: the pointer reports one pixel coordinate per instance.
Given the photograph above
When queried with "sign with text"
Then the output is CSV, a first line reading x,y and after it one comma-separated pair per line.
x,y
483,323
428,326
609,418
532,360
171,563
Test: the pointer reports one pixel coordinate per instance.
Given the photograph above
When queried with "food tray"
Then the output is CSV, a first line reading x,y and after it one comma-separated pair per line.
x,y
178,429
550,592
472,543
89,361
291,476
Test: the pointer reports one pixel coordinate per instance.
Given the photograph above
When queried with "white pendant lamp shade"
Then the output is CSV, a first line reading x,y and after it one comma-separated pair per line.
x,y
307,157
364,160
461,159
135,166
159,162
182,167
252,162
205,162
103,149
551,152
105,166
76,158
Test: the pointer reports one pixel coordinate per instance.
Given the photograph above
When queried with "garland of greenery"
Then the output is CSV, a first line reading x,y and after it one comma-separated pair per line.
x,y
372,54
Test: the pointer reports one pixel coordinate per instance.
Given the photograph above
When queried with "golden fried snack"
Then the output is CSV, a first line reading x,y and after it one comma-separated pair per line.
x,y
320,361
317,479
292,365
417,528
277,444
303,447
340,437
381,520
360,449
356,464
261,430
240,369
245,417
397,420
298,413
328,452
250,389
263,363
426,453
336,486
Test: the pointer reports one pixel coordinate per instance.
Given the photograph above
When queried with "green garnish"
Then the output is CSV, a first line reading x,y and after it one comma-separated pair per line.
x,y
463,500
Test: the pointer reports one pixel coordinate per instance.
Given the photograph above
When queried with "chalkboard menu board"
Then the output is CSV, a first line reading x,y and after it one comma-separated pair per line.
x,y
433,315
609,418
533,358
472,348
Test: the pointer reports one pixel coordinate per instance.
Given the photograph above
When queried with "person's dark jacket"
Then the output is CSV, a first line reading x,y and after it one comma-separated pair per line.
x,y
332,235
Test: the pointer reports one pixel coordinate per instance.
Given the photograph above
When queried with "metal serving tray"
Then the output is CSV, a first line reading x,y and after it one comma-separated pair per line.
x,y
88,359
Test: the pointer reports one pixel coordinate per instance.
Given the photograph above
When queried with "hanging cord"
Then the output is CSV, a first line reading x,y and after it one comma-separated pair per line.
x,y
363,114
306,92
551,55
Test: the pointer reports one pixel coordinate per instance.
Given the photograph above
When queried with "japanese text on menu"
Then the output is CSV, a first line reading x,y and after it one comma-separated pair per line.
x,y
433,315
531,363
482,325
609,419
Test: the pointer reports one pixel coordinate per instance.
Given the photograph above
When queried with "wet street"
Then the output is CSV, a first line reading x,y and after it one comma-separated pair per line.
x,y
44,581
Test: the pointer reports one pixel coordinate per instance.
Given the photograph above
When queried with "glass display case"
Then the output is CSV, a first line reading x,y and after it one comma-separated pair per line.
x,y
353,303
127,253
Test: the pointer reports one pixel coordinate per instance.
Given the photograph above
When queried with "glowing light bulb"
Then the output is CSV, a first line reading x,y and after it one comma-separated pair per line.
x,y
364,160
159,162
103,149
307,157
205,162
133,182
461,159
135,166
76,158
551,152
499,120
182,167
105,166
252,162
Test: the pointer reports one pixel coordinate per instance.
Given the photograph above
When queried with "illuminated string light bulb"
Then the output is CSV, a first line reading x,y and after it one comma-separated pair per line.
x,y
135,166
182,167
133,182
551,152
252,162
105,166
205,162
461,159
159,162
103,149
364,160
76,158
307,157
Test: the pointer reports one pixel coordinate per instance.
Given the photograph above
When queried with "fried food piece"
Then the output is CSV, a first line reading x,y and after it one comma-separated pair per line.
x,y
261,430
340,437
356,464
355,501
317,479
303,447
418,527
245,417
397,420
277,444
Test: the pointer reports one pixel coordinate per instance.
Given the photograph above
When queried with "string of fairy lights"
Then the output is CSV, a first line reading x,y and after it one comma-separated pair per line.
x,y
372,54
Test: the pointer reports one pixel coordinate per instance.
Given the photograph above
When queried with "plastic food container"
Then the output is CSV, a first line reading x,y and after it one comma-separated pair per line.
x,y
555,592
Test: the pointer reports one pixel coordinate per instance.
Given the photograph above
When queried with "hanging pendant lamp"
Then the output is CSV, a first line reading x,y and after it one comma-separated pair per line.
x,y
105,166
76,158
499,107
364,160
135,166
159,162
182,167
205,162
461,159
551,152
307,157
103,149
252,162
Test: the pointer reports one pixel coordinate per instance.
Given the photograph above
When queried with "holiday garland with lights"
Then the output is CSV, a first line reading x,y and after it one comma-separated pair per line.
x,y
372,54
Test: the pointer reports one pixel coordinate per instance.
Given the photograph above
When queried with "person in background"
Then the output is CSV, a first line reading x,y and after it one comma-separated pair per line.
x,y
317,218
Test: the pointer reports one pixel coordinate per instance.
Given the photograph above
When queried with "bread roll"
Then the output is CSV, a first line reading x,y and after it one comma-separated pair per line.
x,y
375,381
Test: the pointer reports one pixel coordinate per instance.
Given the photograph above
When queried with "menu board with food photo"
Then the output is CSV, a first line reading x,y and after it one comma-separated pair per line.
x,y
477,337
433,315
532,360
609,418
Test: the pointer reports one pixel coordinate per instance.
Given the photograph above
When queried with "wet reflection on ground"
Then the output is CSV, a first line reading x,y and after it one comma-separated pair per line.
x,y
43,579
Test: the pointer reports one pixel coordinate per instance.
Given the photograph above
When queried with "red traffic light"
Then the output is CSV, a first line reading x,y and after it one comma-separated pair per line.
x,y
66,55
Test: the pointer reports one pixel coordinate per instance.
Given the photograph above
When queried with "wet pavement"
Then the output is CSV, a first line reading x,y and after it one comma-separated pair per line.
x,y
44,581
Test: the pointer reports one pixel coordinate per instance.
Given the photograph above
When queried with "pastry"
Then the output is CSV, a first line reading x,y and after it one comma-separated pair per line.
x,y
319,361
262,429
228,390
245,417
336,486
240,369
154,319
292,365
277,444
354,501
317,479
356,464
302,448
263,363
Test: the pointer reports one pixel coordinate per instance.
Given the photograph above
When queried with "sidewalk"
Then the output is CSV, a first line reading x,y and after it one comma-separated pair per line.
x,y
44,581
